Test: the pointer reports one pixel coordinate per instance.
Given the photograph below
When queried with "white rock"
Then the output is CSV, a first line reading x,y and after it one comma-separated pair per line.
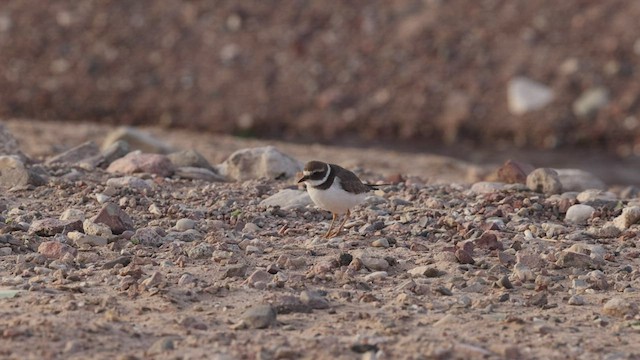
x,y
579,213
591,101
129,182
98,229
484,187
288,199
185,224
579,180
102,198
526,95
72,214
630,215
596,195
137,140
377,275
619,306
257,163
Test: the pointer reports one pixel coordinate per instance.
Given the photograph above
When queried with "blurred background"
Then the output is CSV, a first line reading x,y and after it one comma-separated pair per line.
x,y
413,74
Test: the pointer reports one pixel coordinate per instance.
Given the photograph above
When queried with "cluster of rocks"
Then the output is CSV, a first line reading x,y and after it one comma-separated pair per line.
x,y
163,224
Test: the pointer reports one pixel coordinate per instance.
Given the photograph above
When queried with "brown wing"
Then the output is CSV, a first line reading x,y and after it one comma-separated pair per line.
x,y
349,181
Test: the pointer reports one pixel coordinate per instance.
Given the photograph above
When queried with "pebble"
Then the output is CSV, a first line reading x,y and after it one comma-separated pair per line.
x,y
237,270
98,229
630,215
259,279
579,213
591,101
53,226
288,199
196,173
8,144
570,259
486,187
525,95
200,250
504,282
161,346
14,173
55,249
522,272
75,154
81,240
136,140
250,228
185,224
464,257
259,163
376,275
620,307
382,242
188,158
544,180
579,180
155,210
594,196
115,218
576,300
137,162
375,264
314,300
488,240
129,183
150,236
72,214
514,172
259,317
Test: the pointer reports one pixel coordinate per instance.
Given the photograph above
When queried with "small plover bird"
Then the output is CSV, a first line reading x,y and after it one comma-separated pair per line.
x,y
335,189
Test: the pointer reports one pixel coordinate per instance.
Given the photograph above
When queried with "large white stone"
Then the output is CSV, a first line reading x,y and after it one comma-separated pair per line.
x,y
259,163
526,95
288,199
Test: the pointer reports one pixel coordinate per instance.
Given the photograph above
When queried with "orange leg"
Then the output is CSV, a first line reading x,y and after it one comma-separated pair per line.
x,y
326,236
346,217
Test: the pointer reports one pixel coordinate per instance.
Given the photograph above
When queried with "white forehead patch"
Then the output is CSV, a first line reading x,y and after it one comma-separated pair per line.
x,y
306,172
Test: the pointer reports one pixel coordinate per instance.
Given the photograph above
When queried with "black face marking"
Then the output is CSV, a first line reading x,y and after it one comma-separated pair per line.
x,y
327,184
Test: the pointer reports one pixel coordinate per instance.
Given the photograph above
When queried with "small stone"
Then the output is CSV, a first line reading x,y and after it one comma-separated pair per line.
x,y
185,224
72,214
150,236
464,257
620,307
382,242
314,300
115,218
486,187
129,183
345,259
426,271
256,163
259,317
488,240
98,229
9,145
579,213
250,228
161,346
514,172
153,281
76,154
137,140
375,264
288,199
189,158
576,300
544,180
81,240
288,304
590,102
238,270
14,173
594,196
570,259
102,198
522,272
55,249
525,95
196,173
504,282
200,250
53,226
630,215
376,275
259,279
539,300
136,162
579,180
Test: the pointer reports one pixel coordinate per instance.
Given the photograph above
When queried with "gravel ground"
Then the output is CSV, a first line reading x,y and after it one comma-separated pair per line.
x,y
99,264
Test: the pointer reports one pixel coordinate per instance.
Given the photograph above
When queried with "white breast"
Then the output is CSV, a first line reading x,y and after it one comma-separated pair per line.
x,y
335,199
